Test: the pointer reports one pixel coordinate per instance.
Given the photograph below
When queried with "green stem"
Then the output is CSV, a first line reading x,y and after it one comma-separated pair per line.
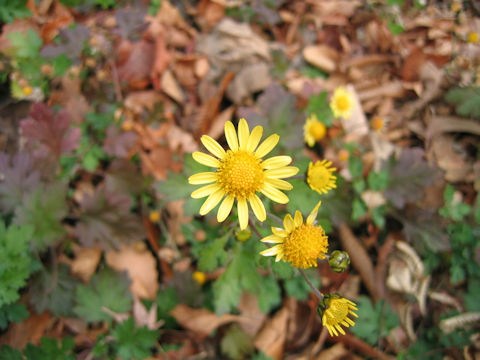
x,y
276,218
302,176
317,292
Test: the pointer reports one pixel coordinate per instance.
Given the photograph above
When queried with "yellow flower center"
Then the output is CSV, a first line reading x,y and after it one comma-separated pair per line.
x,y
305,245
27,90
318,130
343,103
319,177
240,174
337,311
472,37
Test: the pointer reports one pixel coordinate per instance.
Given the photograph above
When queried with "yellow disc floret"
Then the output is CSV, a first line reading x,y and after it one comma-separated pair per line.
x,y
320,176
240,174
313,130
342,103
305,245
472,37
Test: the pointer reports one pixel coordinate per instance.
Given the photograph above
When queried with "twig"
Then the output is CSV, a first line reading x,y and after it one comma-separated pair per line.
x,y
276,218
254,227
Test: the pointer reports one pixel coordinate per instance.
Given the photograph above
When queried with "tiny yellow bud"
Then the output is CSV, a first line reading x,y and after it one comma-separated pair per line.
x,y
243,235
154,216
343,155
377,123
318,130
127,125
199,277
472,37
27,90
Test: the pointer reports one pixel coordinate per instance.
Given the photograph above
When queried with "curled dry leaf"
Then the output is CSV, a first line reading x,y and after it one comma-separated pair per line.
x,y
250,310
271,339
321,56
86,261
141,267
406,274
465,320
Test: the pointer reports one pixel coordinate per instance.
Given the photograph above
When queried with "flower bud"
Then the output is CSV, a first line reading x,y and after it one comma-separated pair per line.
x,y
339,261
243,235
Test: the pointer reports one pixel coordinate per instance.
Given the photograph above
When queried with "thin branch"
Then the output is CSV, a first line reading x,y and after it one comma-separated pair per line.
x,y
317,292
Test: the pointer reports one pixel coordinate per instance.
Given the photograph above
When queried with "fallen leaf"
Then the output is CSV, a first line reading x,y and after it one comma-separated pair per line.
x,y
85,261
170,86
271,339
146,318
249,309
141,267
452,162
200,321
321,56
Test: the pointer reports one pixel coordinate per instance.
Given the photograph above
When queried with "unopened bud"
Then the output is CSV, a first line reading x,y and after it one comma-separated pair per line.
x,y
243,235
339,261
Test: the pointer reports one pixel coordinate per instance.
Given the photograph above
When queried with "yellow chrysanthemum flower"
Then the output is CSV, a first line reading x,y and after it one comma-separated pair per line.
x,y
241,173
299,243
313,130
320,177
342,103
199,277
336,310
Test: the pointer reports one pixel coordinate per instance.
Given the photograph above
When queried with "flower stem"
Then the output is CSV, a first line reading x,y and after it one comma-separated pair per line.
x,y
276,218
254,227
317,292
301,176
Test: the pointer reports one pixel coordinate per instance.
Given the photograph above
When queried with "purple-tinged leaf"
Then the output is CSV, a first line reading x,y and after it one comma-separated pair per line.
x,y
409,174
119,143
106,220
18,177
71,43
49,135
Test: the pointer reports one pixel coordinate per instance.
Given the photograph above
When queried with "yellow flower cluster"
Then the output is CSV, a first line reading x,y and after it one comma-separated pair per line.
x,y
241,173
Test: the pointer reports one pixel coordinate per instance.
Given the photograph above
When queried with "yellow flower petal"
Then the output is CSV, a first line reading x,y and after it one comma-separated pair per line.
x,y
205,191
205,159
271,251
279,232
212,146
274,194
276,162
254,138
202,178
313,215
225,208
288,223
279,184
272,239
242,213
284,172
231,136
243,133
211,202
298,220
257,207
267,145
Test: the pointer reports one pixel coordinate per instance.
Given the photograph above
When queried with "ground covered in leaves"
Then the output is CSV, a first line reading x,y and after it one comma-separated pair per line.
x,y
103,253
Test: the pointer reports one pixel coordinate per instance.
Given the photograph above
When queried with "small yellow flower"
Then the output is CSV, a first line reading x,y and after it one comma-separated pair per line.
x,y
456,6
154,216
241,173
27,90
320,177
199,277
342,103
336,310
127,125
377,123
472,37
314,130
299,243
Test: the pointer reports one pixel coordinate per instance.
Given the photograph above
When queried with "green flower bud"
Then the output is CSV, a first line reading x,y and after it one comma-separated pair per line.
x,y
243,235
339,261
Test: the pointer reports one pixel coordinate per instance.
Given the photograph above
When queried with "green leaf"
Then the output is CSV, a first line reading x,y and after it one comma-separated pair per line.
x,y
15,312
378,180
374,320
319,105
378,216
54,291
51,349
453,210
355,166
236,344
25,45
107,289
395,28
166,300
269,294
11,10
359,209
212,253
467,100
472,295
133,342
61,64
17,262
9,353
298,288
44,210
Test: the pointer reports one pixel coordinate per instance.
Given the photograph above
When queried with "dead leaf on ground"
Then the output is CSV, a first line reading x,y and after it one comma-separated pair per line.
x,y
85,261
31,330
141,267
200,321
135,63
271,339
453,162
321,56
249,309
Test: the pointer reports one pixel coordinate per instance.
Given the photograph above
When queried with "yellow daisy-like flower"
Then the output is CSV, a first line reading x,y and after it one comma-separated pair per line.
x,y
336,310
320,177
342,103
241,173
314,130
299,243
199,277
